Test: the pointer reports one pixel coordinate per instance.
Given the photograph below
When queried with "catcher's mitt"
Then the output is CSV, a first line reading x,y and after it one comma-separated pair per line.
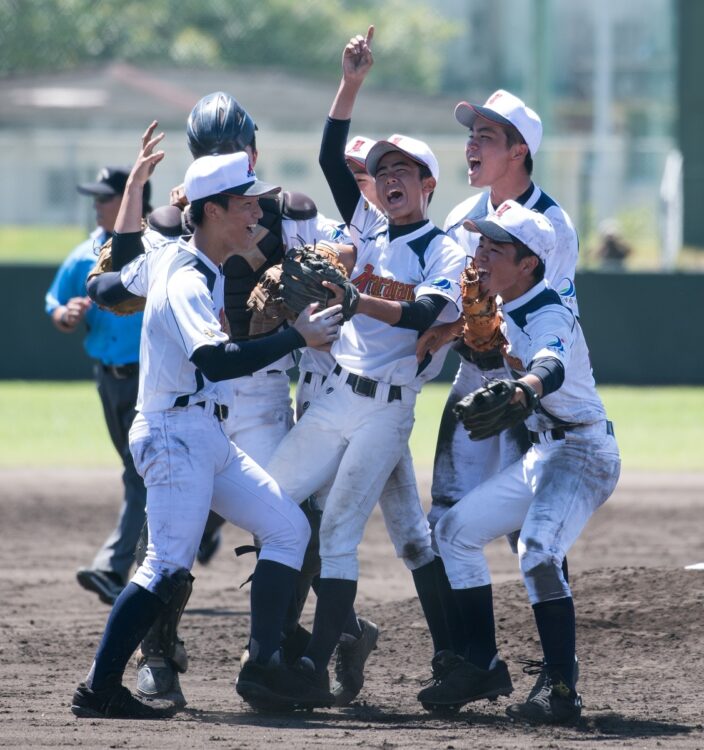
x,y
104,265
266,303
482,319
489,410
304,271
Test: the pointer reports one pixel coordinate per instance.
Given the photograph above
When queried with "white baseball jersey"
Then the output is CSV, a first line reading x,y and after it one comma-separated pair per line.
x,y
538,324
185,299
561,264
424,262
550,492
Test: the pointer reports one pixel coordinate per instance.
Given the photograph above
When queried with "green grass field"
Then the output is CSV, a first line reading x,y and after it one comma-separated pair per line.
x,y
51,244
38,244
61,424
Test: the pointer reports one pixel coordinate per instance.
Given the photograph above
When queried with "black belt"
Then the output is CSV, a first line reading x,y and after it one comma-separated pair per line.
x,y
122,372
308,376
367,387
559,433
220,411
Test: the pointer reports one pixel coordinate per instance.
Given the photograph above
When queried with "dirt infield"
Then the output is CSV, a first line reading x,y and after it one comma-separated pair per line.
x,y
639,622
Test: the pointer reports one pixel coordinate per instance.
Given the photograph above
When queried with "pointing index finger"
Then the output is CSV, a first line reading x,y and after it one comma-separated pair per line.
x,y
370,36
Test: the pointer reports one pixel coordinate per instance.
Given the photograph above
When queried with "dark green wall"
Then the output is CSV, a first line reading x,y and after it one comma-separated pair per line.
x,y
690,105
641,328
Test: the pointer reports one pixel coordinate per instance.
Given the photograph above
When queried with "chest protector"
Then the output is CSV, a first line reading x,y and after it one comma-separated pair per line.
x,y
242,272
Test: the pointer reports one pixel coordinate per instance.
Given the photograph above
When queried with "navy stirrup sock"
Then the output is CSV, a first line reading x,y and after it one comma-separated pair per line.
x,y
556,626
134,612
476,607
335,602
272,589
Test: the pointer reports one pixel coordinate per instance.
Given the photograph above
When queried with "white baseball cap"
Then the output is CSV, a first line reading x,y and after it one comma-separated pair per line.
x,y
512,222
224,173
417,150
357,149
505,109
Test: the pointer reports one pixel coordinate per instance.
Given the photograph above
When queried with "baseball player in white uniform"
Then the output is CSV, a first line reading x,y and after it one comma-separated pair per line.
x,y
504,137
407,272
188,463
549,493
399,501
260,411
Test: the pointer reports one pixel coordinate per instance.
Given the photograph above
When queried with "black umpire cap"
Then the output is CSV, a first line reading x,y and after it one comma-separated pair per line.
x,y
111,181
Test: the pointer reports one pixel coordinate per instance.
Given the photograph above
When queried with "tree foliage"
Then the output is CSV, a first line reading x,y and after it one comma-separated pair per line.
x,y
59,35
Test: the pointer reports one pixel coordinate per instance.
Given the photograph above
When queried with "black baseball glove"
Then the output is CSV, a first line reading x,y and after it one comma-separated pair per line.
x,y
303,273
489,410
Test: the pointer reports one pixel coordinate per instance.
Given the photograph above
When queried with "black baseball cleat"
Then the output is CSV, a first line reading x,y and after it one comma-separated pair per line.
x,y
551,701
278,687
106,584
259,686
441,665
294,644
352,654
463,683
114,702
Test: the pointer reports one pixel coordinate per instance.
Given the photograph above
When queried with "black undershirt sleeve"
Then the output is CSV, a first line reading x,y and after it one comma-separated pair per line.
x,y
343,186
107,289
232,360
551,372
125,248
421,313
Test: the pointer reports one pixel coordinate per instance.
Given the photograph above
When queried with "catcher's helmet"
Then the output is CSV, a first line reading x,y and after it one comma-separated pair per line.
x,y
219,125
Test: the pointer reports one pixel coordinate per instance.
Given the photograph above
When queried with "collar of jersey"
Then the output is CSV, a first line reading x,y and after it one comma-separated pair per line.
x,y
541,286
419,232
184,244
528,198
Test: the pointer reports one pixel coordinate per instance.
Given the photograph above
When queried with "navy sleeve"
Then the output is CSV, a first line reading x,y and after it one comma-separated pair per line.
x,y
551,372
421,313
107,289
125,248
228,361
343,186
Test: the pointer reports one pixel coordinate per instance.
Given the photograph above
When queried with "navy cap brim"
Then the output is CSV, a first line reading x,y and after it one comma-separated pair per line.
x,y
254,188
491,230
466,114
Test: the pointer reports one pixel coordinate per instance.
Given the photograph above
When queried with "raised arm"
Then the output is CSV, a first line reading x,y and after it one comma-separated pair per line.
x,y
127,244
357,60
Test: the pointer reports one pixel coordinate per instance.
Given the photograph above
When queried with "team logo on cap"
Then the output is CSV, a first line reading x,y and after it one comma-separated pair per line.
x,y
250,169
357,145
103,175
501,210
493,98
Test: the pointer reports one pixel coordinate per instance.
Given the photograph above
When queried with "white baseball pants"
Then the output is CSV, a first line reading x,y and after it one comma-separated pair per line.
x,y
550,494
189,465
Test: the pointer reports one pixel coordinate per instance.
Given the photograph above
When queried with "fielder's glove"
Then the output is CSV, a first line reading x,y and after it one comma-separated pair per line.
x,y
104,265
303,273
489,410
266,303
482,319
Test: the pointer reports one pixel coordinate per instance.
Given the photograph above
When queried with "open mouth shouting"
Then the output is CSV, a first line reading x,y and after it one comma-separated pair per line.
x,y
394,196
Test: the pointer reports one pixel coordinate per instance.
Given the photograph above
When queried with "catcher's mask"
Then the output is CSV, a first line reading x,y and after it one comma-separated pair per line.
x,y
219,125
